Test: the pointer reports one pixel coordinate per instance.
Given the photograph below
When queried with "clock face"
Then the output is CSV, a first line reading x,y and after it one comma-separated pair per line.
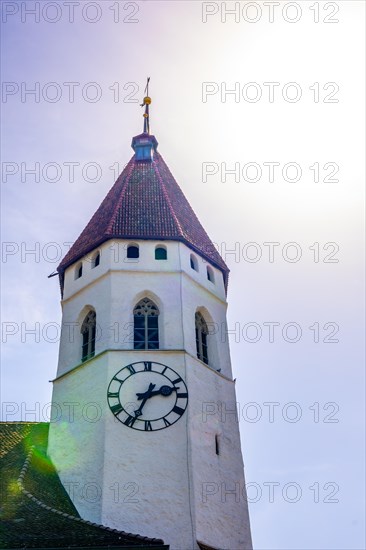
x,y
147,396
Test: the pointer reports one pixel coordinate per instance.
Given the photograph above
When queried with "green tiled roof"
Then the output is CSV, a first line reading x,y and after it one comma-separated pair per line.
x,y
36,511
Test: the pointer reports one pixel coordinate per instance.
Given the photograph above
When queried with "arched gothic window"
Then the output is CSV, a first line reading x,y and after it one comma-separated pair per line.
x,y
146,325
88,330
201,338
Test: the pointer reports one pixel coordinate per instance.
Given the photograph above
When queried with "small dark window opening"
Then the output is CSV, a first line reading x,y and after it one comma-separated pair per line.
x,y
217,448
160,253
133,252
79,271
96,260
194,264
201,338
210,275
88,331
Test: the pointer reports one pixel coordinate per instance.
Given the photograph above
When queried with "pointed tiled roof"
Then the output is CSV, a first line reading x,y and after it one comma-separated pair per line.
x,y
145,203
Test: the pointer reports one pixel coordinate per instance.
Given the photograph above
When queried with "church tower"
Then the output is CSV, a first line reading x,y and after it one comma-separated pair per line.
x,y
144,434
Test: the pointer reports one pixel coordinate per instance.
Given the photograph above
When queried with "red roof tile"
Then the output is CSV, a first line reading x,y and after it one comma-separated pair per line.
x,y
145,203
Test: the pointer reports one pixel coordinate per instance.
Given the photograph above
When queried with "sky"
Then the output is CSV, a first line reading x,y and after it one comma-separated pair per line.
x,y
259,115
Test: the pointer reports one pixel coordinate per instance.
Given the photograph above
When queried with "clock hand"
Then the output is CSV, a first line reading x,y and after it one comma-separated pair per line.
x,y
146,393
144,396
164,390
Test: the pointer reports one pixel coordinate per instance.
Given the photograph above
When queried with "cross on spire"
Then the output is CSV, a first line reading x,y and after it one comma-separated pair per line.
x,y
146,102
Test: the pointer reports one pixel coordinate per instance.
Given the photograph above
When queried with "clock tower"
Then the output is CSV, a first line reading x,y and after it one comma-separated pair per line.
x,y
144,432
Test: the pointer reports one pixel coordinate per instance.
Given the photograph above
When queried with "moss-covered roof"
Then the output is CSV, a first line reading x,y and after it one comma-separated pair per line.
x,y
36,511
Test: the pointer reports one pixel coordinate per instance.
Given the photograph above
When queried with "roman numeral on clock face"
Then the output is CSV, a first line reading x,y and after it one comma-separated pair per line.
x,y
148,426
116,409
176,381
131,369
130,420
166,422
147,365
178,410
113,394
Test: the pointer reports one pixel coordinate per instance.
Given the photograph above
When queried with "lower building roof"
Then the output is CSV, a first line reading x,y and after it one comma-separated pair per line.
x,y
36,511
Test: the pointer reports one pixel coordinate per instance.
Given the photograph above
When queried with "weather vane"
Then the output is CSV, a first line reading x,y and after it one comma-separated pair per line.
x,y
146,102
